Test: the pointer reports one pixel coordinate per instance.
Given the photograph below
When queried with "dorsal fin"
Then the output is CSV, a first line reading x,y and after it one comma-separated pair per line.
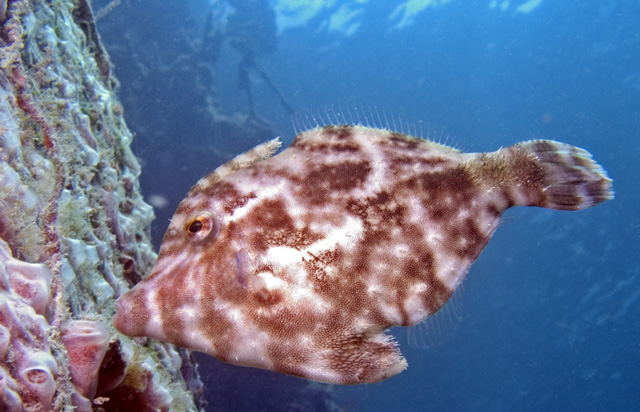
x,y
246,159
340,135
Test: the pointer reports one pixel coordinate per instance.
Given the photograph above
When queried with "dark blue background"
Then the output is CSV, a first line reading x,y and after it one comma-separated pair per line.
x,y
549,317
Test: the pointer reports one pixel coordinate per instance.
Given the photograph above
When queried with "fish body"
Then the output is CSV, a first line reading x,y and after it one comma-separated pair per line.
x,y
299,262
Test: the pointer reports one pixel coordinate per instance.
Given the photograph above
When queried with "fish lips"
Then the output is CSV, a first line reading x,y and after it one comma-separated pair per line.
x,y
131,317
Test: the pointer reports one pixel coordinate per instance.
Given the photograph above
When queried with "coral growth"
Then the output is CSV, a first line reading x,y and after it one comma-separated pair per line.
x,y
74,230
86,343
28,367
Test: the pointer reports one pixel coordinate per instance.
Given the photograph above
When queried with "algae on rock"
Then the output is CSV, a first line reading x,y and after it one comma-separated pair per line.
x,y
71,215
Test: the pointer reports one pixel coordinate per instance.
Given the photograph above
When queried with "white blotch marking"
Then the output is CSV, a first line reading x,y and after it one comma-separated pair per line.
x,y
271,281
284,256
234,314
264,190
344,236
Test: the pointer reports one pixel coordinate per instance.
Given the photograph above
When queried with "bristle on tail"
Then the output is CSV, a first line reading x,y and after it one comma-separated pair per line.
x,y
571,179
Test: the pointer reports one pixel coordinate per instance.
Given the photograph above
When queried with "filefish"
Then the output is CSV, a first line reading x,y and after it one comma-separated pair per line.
x,y
299,262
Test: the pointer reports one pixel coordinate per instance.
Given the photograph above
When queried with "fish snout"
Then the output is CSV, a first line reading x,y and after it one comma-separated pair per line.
x,y
131,317
119,319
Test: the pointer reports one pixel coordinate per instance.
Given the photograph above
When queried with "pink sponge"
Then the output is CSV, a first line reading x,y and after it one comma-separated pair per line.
x,y
10,401
35,371
28,282
86,342
31,282
4,342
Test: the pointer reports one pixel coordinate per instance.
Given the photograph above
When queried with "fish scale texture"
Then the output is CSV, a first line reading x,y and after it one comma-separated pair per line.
x,y
299,263
74,230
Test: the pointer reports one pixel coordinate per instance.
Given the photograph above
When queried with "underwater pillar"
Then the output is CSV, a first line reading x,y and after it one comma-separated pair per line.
x,y
74,229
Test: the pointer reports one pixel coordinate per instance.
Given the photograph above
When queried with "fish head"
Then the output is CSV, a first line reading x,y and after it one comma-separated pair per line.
x,y
195,294
252,271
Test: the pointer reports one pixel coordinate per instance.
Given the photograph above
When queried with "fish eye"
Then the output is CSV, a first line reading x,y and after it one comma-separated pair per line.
x,y
196,226
202,227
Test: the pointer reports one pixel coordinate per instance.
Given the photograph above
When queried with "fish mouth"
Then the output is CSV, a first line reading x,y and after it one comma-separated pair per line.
x,y
119,305
127,319
119,320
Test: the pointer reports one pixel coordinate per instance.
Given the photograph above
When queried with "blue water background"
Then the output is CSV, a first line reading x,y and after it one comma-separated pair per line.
x,y
549,316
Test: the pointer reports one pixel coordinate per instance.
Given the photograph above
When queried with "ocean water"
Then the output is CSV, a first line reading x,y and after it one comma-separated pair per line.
x,y
549,315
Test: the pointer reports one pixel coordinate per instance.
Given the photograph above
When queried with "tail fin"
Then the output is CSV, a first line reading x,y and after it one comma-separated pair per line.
x,y
572,179
545,173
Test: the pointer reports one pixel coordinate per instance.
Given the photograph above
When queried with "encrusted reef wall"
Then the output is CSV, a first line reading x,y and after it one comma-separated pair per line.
x,y
74,229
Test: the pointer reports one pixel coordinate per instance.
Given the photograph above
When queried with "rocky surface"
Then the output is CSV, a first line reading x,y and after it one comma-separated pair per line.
x,y
74,228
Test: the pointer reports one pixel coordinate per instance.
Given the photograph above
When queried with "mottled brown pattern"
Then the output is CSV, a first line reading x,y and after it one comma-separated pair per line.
x,y
377,212
271,225
323,247
401,141
237,202
341,133
325,148
316,266
324,181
